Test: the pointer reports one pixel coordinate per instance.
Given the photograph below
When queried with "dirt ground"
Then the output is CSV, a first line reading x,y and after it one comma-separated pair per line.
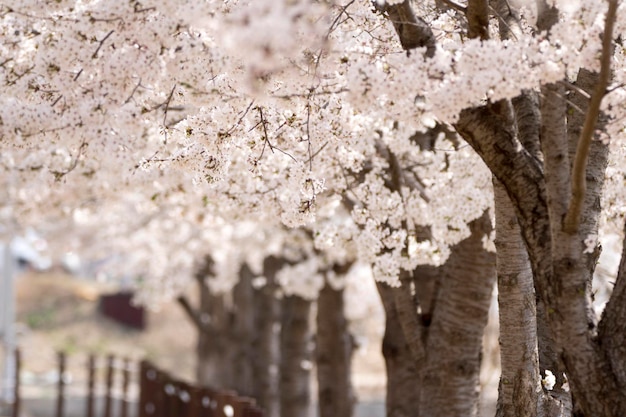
x,y
58,312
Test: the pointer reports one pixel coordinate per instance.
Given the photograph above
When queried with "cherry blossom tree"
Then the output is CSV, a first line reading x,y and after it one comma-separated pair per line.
x,y
185,120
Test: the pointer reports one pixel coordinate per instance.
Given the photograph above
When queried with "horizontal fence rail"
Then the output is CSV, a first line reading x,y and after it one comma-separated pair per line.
x,y
160,394
164,396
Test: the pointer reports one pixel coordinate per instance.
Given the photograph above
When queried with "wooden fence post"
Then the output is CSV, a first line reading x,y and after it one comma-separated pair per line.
x,y
206,404
91,376
109,384
16,387
168,390
225,399
143,389
195,402
60,385
125,382
151,395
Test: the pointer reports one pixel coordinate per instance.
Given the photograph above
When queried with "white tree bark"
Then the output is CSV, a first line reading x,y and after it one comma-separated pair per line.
x,y
520,387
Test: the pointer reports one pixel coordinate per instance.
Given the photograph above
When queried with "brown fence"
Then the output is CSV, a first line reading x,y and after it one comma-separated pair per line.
x,y
160,395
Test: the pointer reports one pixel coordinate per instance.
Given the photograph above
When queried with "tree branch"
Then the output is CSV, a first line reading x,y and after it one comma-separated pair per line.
x,y
413,31
191,313
478,19
95,54
572,218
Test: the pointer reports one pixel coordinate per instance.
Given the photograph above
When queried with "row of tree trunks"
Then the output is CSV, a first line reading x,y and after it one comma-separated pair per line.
x,y
260,344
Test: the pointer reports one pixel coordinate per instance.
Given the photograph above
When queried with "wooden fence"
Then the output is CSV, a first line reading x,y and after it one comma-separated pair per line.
x,y
160,395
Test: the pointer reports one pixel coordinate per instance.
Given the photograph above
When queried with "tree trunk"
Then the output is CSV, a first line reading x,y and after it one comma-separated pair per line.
x,y
266,346
520,388
334,355
454,306
451,375
295,351
612,331
556,255
244,333
214,354
403,382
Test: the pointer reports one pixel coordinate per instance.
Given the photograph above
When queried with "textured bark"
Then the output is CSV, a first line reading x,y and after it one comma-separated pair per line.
x,y
494,139
406,309
478,19
454,304
593,113
520,389
520,386
592,385
295,359
612,329
266,346
559,278
508,20
598,153
403,382
334,350
554,145
412,31
450,383
577,268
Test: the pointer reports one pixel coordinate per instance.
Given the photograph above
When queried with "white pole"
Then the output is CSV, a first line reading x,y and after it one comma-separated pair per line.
x,y
7,326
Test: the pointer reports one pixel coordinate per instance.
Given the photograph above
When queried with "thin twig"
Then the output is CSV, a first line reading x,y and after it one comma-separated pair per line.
x,y
310,94
335,22
60,174
318,151
57,100
233,127
132,93
167,107
572,218
95,54
308,131
19,76
266,138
